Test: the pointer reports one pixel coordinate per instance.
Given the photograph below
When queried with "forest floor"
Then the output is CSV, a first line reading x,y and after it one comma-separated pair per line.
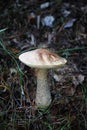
x,y
60,27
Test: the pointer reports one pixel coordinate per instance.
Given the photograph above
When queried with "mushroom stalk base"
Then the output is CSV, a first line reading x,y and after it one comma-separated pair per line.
x,y
43,96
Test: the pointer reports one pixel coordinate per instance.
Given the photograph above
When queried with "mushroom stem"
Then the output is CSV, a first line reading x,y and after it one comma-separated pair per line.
x,y
43,96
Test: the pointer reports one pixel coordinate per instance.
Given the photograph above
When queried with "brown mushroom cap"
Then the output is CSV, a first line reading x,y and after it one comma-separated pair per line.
x,y
42,58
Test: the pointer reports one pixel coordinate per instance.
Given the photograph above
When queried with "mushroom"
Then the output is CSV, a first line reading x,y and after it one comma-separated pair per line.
x,y
42,60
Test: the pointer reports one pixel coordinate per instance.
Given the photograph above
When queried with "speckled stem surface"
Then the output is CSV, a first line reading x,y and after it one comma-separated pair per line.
x,y
43,96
